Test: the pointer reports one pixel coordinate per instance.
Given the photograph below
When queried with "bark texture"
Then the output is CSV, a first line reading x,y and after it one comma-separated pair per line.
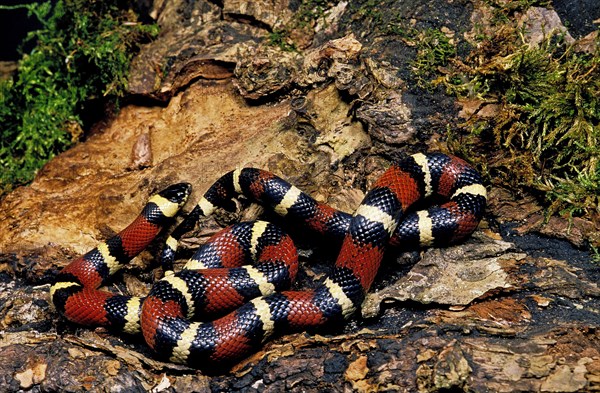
x,y
515,308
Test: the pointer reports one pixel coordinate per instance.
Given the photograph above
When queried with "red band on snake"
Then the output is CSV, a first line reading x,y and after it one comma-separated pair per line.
x,y
216,281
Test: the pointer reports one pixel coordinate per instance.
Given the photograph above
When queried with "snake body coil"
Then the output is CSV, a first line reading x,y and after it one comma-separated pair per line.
x,y
216,279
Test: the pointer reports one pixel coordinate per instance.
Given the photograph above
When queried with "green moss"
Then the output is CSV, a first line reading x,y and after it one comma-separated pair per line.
x,y
369,10
595,254
281,38
310,11
504,11
82,52
434,49
546,136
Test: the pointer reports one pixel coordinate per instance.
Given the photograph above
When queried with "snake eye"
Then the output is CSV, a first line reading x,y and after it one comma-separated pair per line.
x,y
177,193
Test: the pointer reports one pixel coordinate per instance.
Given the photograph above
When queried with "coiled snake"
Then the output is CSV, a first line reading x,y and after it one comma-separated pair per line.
x,y
217,280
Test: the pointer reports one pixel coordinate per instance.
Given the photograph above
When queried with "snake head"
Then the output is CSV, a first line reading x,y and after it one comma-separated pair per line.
x,y
177,193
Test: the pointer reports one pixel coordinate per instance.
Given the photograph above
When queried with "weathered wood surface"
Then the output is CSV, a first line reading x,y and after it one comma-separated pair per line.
x,y
515,308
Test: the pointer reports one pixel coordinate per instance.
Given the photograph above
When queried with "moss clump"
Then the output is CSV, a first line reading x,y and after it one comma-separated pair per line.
x,y
595,254
434,50
546,134
281,39
503,11
368,11
310,11
82,53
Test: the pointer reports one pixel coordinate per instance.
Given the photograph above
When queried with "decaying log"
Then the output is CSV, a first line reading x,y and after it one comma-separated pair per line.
x,y
514,308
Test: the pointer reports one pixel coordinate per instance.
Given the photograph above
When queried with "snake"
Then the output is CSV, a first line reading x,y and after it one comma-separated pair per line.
x,y
234,293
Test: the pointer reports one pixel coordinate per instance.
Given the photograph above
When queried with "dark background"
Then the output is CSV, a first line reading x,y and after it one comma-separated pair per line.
x,y
578,15
14,25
